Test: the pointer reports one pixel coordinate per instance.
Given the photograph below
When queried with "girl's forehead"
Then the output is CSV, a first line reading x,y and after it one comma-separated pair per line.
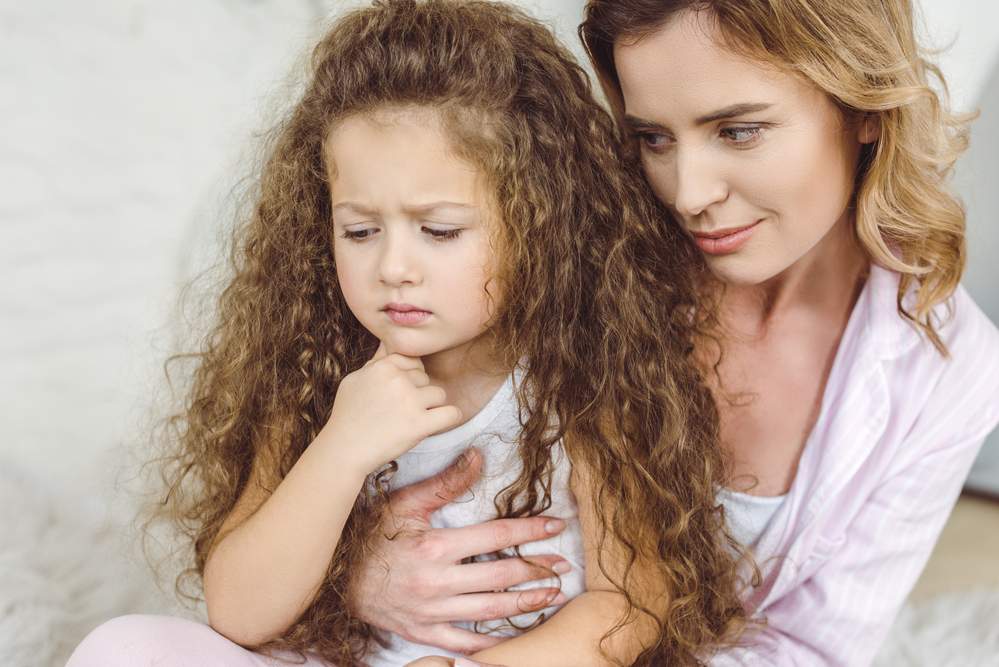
x,y
400,162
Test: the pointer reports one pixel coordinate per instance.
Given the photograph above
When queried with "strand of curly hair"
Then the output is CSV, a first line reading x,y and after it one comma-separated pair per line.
x,y
606,325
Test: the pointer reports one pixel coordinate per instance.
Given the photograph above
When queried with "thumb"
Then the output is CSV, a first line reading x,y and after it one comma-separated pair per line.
x,y
426,497
467,662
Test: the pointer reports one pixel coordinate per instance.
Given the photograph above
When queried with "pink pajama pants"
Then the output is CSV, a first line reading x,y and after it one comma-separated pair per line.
x,y
164,641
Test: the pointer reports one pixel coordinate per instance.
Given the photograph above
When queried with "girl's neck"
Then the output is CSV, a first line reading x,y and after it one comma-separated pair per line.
x,y
469,375
822,283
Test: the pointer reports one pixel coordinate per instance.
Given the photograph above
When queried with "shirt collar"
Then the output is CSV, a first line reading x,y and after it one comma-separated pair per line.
x,y
888,334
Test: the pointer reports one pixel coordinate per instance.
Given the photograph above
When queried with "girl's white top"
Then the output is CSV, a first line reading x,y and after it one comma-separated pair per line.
x,y
495,430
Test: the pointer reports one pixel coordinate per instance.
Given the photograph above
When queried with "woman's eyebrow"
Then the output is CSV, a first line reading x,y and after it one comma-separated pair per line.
x,y
636,123
730,111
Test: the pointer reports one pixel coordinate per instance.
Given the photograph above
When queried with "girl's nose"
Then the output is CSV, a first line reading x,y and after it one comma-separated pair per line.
x,y
698,183
398,264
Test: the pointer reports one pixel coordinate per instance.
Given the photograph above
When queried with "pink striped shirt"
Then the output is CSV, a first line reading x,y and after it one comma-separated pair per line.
x,y
899,428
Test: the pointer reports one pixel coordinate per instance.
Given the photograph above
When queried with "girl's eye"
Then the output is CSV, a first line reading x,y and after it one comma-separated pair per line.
x,y
742,135
358,234
442,234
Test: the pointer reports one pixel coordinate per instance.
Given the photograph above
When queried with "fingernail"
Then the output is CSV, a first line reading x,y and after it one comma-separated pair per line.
x,y
553,526
561,567
558,599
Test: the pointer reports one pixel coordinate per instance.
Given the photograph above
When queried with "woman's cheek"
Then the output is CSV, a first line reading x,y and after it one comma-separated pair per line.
x,y
657,174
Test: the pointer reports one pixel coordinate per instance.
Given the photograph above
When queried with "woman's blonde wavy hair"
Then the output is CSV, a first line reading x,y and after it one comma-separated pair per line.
x,y
864,54
599,291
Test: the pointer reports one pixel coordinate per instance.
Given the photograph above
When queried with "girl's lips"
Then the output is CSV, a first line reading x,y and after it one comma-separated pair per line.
x,y
407,317
724,242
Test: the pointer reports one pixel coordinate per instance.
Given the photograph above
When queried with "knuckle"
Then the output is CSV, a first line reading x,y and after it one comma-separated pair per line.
x,y
420,586
504,575
494,610
429,547
502,534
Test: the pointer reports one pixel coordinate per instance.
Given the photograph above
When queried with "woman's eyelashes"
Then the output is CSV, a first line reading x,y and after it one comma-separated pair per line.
x,y
742,136
738,136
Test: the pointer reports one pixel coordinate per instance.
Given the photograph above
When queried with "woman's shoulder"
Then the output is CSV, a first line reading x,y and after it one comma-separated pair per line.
x,y
969,336
972,339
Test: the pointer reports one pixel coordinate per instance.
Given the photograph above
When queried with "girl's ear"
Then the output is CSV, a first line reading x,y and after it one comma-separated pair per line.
x,y
868,128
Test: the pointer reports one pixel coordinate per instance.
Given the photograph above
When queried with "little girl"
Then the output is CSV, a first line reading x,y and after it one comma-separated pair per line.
x,y
447,252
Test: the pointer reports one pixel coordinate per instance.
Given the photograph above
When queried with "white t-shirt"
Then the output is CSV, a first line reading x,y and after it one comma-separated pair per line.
x,y
495,431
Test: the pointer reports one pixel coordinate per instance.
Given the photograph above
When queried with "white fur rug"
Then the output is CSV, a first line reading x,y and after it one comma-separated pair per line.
x,y
63,571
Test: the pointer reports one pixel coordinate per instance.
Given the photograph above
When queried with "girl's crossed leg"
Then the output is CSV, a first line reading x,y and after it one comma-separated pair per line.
x,y
140,640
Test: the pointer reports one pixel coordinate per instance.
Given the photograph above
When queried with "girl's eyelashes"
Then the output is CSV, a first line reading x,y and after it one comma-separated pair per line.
x,y
445,234
358,234
435,233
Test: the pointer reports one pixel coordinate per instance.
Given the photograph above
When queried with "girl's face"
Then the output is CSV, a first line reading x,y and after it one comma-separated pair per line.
x,y
757,163
411,239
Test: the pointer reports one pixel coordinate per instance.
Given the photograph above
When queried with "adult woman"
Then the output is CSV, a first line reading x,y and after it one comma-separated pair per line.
x,y
800,146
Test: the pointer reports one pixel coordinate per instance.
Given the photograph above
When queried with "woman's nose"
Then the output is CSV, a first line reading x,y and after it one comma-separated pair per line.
x,y
697,183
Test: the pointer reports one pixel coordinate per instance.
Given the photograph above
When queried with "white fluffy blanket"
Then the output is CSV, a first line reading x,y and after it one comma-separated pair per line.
x,y
63,570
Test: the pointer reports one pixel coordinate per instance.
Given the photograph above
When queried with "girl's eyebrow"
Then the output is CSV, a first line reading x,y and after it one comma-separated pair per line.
x,y
352,206
730,111
412,209
433,206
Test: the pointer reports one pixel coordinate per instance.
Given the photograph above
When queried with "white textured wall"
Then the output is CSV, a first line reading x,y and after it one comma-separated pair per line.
x,y
122,128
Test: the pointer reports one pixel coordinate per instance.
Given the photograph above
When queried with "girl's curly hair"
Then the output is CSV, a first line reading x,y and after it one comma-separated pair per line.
x,y
599,297
864,54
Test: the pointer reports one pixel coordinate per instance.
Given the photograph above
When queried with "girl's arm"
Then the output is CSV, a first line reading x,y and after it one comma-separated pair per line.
x,y
572,636
271,555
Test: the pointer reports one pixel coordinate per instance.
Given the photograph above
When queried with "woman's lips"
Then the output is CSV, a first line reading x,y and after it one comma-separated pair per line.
x,y
405,314
724,241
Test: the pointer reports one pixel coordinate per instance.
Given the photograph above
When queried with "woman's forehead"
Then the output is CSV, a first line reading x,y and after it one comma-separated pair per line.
x,y
684,71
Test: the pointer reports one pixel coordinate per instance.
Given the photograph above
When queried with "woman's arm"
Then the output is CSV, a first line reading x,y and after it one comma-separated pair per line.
x,y
415,584
572,637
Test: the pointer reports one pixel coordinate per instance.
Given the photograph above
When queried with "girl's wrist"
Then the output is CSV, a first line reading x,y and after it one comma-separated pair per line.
x,y
343,448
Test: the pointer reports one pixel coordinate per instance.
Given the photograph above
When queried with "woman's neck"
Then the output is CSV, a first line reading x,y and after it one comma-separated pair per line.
x,y
823,283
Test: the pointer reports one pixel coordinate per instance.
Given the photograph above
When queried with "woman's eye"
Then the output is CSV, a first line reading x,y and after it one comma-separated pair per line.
x,y
654,141
442,234
742,136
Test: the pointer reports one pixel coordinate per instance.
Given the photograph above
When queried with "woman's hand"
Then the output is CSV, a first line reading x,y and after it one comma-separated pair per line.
x,y
415,585
384,409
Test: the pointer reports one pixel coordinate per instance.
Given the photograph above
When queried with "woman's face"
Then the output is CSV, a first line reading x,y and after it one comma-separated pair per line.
x,y
757,163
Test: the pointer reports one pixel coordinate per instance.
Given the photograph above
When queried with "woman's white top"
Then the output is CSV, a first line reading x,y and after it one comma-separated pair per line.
x,y
898,430
495,430
748,516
